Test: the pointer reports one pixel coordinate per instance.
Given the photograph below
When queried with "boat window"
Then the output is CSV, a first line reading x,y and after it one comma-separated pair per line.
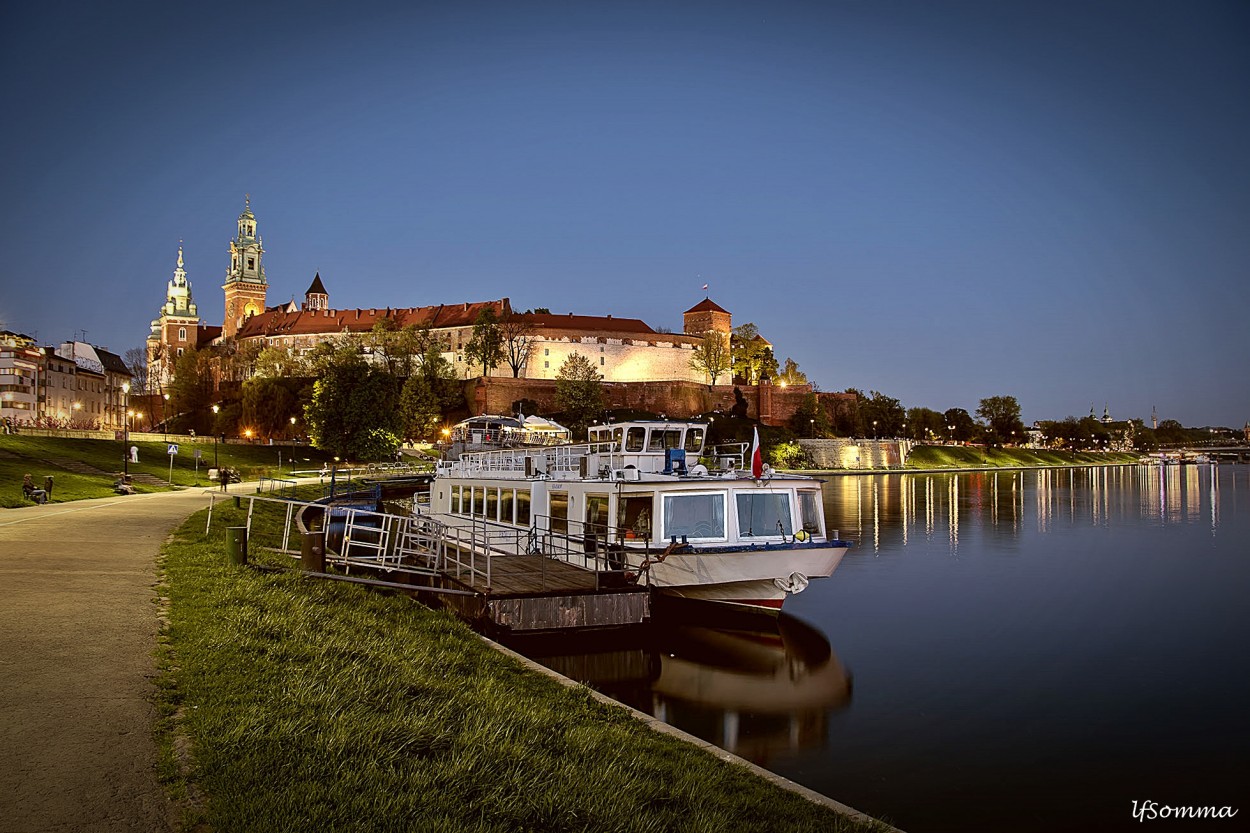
x,y
764,514
475,501
633,515
492,504
505,506
618,434
558,509
694,516
694,440
809,511
522,507
455,499
596,514
662,438
634,440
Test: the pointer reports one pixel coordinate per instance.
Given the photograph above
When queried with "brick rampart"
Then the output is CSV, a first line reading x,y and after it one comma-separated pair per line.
x,y
844,453
680,399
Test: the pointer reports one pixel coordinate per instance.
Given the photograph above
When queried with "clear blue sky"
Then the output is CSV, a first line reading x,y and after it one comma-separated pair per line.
x,y
938,201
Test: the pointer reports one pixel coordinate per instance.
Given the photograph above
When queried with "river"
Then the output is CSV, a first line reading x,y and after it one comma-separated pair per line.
x,y
1021,651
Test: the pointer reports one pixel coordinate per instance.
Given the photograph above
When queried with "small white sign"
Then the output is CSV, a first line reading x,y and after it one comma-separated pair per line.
x,y
197,453
173,449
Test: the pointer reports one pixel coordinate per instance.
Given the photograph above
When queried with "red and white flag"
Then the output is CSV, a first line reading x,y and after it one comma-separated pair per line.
x,y
705,287
757,459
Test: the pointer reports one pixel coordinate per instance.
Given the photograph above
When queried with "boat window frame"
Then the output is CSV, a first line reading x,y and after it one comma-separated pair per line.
x,y
814,495
722,494
787,517
523,499
507,503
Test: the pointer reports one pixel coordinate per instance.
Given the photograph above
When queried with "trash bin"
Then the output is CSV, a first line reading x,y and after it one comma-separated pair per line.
x,y
236,544
312,555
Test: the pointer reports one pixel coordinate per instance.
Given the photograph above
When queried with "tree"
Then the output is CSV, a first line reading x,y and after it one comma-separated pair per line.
x,y
486,345
711,357
394,349
882,415
959,425
1002,419
925,424
790,374
517,337
810,419
191,391
353,412
751,357
136,360
269,404
579,391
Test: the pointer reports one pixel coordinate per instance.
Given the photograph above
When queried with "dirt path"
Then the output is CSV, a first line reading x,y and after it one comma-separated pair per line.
x,y
78,633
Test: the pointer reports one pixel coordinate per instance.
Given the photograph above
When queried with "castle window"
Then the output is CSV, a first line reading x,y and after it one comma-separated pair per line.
x,y
179,351
547,364
251,263
182,333
601,361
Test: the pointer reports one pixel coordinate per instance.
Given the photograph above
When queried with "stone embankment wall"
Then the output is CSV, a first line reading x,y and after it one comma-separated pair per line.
x,y
770,404
845,453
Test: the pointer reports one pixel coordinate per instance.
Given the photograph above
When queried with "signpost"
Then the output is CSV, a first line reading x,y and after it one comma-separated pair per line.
x,y
173,451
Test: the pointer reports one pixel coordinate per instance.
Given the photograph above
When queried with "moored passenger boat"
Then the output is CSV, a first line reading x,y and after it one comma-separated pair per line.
x,y
645,501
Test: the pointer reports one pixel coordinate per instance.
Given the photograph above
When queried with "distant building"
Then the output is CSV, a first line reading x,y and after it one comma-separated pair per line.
x,y
623,349
75,385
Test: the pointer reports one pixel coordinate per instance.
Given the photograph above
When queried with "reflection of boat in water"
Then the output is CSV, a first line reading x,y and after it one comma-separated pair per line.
x,y
755,693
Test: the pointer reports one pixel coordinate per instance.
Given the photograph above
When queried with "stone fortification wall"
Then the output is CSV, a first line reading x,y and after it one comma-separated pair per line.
x,y
618,359
767,403
846,453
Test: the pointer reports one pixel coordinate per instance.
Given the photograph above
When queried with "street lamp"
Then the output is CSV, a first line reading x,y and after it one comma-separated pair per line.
x,y
216,408
874,430
950,433
126,432
165,417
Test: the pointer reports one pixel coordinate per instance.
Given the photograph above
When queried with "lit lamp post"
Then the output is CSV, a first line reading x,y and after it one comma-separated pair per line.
x,y
126,431
874,430
165,417
216,408
950,434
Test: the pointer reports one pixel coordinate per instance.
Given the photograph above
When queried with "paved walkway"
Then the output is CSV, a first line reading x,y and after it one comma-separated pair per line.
x,y
78,626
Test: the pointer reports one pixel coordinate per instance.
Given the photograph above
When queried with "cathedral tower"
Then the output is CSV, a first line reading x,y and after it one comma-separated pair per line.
x,y
245,284
176,330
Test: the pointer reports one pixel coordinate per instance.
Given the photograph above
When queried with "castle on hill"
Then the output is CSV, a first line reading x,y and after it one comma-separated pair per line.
x,y
622,349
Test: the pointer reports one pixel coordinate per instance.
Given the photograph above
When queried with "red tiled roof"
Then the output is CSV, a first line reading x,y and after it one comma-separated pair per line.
x,y
206,335
706,305
587,323
272,323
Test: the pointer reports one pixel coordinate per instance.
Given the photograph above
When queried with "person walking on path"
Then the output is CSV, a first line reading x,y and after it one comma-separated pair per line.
x,y
77,657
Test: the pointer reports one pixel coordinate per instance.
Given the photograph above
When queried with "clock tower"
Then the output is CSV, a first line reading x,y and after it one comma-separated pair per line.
x,y
245,284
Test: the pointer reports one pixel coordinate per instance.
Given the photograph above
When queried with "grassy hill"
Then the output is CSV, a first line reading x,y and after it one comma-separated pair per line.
x,y
86,468
970,457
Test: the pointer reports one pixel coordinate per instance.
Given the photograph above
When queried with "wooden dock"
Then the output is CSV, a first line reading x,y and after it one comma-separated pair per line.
x,y
536,593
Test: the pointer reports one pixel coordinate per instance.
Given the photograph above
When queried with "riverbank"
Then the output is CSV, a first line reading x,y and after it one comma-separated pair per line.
x,y
932,458
294,704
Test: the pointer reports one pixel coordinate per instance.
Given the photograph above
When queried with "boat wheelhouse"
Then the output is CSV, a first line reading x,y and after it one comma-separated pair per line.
x,y
649,501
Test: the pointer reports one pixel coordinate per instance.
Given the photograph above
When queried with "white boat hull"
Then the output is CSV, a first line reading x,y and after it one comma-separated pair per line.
x,y
763,578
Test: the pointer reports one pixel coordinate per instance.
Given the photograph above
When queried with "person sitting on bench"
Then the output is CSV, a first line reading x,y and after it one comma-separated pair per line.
x,y
122,485
28,489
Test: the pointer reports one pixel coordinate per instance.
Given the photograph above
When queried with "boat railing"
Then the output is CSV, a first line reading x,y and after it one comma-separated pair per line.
x,y
591,546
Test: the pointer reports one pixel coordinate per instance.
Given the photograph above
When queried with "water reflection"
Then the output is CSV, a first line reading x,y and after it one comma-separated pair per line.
x,y
758,693
887,511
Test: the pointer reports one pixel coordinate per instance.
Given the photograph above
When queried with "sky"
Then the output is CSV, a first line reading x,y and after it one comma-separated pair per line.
x,y
940,201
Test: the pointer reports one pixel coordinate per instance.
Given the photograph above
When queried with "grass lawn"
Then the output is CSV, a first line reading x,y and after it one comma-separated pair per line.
x,y
963,457
22,454
294,704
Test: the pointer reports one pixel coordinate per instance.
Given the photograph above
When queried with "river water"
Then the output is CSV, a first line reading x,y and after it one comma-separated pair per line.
x,y
1021,651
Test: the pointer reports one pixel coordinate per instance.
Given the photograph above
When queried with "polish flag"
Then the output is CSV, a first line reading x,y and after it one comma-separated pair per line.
x,y
757,459
705,287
